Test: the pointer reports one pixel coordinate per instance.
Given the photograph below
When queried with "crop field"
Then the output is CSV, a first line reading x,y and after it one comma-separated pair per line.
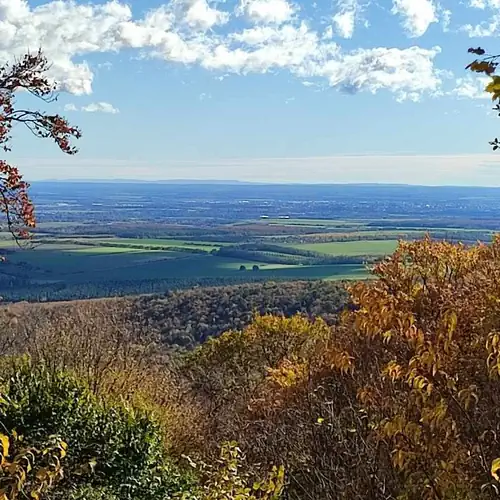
x,y
351,248
73,263
97,260
200,245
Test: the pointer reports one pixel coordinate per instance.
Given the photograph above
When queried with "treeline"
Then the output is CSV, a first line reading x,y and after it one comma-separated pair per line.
x,y
189,317
17,289
117,244
276,254
367,233
148,230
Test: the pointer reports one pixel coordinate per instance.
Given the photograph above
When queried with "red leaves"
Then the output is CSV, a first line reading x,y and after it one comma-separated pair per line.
x,y
27,74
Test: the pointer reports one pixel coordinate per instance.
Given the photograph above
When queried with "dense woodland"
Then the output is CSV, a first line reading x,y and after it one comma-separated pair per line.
x,y
190,317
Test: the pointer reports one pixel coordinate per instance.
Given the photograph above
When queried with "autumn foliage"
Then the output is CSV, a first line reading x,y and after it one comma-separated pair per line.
x,y
29,75
401,400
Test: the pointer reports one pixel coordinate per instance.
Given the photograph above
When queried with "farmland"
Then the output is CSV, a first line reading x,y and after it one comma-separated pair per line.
x,y
360,247
100,243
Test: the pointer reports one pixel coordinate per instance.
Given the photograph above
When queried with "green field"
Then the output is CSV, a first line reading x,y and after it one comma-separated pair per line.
x,y
111,264
351,248
200,245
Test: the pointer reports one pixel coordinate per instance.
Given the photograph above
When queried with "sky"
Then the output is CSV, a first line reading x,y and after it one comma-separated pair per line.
x,y
327,91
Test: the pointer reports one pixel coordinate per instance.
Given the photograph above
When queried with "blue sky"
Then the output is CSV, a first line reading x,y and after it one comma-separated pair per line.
x,y
264,90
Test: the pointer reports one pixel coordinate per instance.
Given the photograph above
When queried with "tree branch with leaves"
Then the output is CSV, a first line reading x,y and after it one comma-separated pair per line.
x,y
487,64
29,74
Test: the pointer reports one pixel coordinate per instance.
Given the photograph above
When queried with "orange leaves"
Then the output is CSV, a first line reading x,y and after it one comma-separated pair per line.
x,y
482,67
342,361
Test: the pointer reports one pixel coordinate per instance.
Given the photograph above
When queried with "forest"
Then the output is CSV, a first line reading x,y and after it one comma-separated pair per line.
x,y
386,387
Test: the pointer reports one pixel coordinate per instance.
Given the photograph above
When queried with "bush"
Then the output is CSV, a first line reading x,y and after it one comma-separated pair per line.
x,y
112,449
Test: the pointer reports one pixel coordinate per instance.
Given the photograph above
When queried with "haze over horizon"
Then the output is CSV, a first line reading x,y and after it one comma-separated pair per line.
x,y
350,91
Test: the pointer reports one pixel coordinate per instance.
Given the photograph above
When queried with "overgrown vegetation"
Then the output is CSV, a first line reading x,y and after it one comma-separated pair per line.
x,y
284,392
398,398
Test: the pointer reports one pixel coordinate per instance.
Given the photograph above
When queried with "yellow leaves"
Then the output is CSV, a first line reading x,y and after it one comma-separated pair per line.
x,y
227,479
4,442
30,472
288,374
366,396
495,467
435,416
399,458
395,426
494,87
393,370
468,396
63,447
493,349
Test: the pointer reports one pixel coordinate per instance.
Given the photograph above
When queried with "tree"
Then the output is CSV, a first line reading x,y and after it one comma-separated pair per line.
x,y
29,74
255,267
243,268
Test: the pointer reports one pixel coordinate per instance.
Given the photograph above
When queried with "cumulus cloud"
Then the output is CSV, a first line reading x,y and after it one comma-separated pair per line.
x,y
196,14
417,15
267,11
487,28
346,17
269,37
471,87
95,107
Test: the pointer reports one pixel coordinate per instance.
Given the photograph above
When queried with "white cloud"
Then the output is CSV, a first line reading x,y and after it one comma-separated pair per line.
x,y
189,32
70,107
483,4
267,11
100,107
446,19
196,14
406,72
487,28
345,19
95,107
417,15
471,87
484,29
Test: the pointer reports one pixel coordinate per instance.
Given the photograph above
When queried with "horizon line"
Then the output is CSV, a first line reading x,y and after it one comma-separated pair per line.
x,y
229,182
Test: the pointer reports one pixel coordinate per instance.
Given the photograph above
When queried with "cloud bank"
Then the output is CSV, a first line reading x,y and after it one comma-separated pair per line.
x,y
246,36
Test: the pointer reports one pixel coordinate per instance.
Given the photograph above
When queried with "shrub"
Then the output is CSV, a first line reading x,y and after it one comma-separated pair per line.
x,y
111,447
227,479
